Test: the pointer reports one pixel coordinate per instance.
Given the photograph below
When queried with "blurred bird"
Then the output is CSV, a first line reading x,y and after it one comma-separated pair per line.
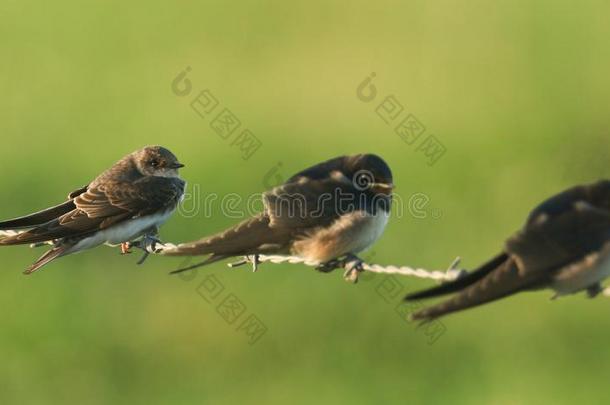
x,y
131,199
564,246
332,210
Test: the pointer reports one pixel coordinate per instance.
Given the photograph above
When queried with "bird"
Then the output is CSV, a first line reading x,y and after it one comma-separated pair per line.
x,y
564,246
332,210
131,199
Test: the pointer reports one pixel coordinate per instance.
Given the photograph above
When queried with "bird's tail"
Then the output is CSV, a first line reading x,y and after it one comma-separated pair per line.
x,y
35,235
32,228
38,218
46,258
494,280
249,237
211,259
460,283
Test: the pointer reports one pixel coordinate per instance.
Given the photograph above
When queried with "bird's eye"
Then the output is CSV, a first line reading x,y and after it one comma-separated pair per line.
x,y
363,179
154,163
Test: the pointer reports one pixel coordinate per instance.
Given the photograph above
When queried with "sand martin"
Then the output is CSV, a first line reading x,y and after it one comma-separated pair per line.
x,y
334,209
564,246
131,199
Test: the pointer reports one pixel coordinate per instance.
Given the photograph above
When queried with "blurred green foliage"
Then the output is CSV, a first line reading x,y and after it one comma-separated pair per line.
x,y
517,91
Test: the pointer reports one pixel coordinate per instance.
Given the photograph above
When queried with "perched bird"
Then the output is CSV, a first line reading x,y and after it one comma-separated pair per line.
x,y
564,246
131,199
332,210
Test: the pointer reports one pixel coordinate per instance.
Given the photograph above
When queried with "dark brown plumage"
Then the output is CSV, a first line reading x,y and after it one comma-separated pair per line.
x,y
307,217
564,246
140,186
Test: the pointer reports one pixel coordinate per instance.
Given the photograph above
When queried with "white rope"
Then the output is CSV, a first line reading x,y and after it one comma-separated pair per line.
x,y
452,273
440,275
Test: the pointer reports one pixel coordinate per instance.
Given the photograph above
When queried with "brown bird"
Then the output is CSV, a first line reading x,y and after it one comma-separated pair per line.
x,y
331,210
564,246
131,199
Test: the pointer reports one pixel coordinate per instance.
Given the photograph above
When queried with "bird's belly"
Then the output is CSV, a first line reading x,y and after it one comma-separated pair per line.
x,y
352,233
579,276
123,232
134,228
367,233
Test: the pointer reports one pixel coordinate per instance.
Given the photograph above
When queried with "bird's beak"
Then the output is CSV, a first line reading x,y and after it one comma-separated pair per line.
x,y
177,165
383,188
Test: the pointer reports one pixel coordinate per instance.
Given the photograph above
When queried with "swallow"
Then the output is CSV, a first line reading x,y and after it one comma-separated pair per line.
x,y
332,210
131,199
563,246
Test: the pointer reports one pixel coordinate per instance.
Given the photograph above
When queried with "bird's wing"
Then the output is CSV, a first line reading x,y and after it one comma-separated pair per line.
x,y
77,192
104,205
595,194
144,196
310,203
44,216
248,237
555,241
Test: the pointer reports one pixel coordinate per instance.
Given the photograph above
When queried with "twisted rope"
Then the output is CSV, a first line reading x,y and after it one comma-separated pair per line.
x,y
439,275
352,266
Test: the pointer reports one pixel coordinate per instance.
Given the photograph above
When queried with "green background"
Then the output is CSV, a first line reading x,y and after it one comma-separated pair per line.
x,y
517,91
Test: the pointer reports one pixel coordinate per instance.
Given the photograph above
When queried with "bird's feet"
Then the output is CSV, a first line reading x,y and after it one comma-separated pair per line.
x,y
125,248
353,267
330,266
351,263
594,290
148,243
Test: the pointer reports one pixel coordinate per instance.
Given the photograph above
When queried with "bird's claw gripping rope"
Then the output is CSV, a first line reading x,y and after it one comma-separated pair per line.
x,y
149,244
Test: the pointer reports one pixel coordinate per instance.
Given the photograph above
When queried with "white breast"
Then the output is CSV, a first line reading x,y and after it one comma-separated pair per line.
x,y
367,230
351,233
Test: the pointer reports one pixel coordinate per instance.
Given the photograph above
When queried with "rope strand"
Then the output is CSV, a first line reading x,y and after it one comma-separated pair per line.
x,y
452,273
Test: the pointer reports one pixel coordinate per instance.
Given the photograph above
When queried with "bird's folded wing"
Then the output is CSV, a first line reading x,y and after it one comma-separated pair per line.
x,y
556,240
142,197
309,203
595,194
44,216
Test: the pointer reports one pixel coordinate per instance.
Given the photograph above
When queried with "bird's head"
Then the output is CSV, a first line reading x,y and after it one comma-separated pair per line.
x,y
370,173
157,161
